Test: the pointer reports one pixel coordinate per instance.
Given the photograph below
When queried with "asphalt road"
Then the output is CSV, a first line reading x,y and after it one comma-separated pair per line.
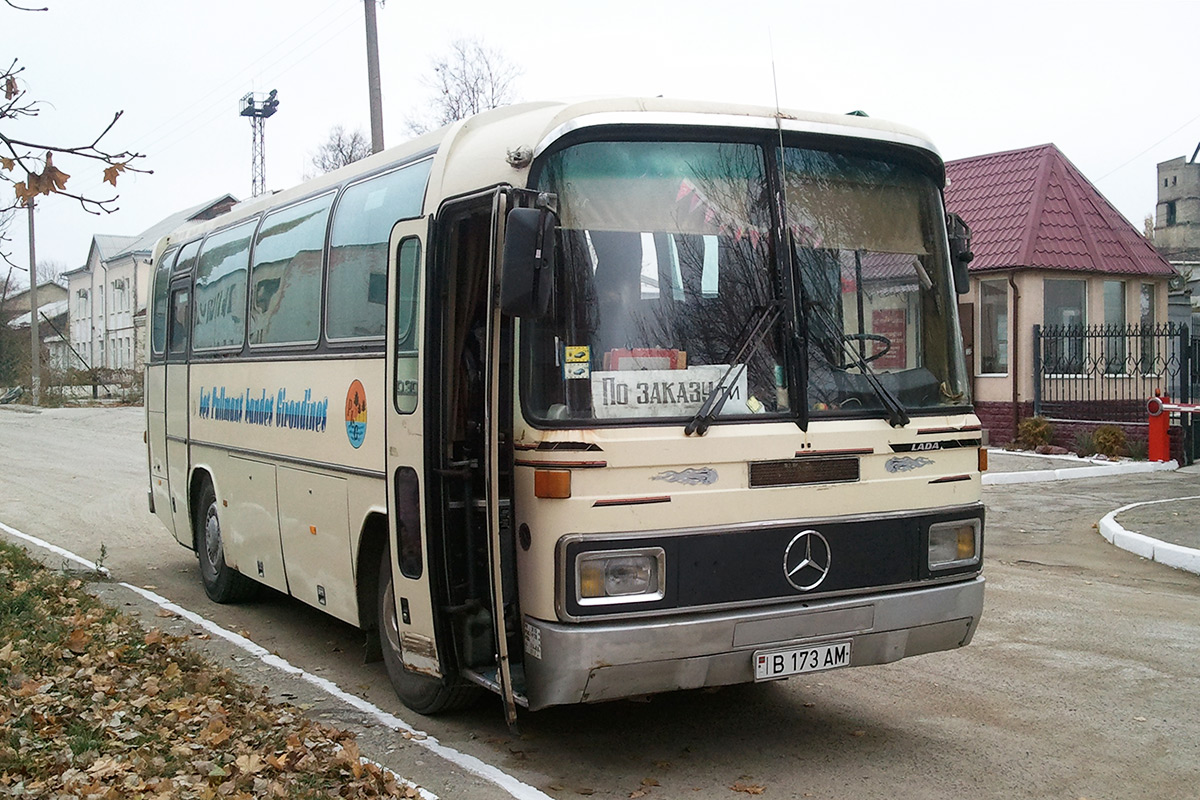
x,y
1083,680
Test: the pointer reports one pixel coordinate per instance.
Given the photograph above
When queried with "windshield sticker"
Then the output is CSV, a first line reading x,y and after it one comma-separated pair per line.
x,y
664,392
356,414
577,362
268,410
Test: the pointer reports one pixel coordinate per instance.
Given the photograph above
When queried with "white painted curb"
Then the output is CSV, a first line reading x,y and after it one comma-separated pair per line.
x,y
1171,555
1095,469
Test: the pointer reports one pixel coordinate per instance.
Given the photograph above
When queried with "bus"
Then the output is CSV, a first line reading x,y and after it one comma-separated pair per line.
x,y
639,395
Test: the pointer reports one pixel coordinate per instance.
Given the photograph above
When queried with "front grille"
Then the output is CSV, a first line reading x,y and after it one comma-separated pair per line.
x,y
797,471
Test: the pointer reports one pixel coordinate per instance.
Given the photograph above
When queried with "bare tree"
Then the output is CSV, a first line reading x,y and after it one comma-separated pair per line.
x,y
29,165
52,271
340,149
470,78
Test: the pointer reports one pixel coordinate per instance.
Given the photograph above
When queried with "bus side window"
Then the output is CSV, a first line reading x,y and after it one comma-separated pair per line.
x,y
408,274
158,320
221,288
177,335
285,305
356,288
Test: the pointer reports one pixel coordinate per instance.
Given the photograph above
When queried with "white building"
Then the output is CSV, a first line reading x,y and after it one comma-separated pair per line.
x,y
108,294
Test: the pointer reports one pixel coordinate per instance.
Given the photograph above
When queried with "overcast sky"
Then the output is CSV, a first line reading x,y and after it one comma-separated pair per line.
x,y
1110,83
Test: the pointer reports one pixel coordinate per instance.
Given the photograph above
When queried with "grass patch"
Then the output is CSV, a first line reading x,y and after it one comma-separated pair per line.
x,y
93,705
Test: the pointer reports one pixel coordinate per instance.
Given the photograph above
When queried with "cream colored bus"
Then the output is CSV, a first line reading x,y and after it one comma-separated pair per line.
x,y
583,401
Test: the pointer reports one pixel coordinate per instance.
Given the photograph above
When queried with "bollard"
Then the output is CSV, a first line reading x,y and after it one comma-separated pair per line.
x,y
1159,438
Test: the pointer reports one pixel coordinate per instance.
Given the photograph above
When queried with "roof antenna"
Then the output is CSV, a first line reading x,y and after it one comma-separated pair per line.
x,y
1194,152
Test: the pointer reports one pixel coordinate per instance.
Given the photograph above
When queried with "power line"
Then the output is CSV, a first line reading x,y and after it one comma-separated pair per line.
x,y
1148,149
219,94
199,116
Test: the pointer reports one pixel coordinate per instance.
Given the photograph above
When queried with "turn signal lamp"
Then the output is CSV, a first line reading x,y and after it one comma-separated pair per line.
x,y
551,483
983,462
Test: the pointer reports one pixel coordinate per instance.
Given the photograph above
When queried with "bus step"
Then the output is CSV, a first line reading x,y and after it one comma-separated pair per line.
x,y
488,679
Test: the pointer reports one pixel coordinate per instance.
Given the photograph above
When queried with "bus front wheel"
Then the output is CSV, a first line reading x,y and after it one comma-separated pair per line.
x,y
424,694
222,583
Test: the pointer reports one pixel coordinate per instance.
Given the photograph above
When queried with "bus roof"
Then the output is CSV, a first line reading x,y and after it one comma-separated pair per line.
x,y
494,147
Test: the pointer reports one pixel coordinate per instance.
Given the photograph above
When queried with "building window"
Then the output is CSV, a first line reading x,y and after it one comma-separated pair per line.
x,y
993,327
1115,350
1147,321
1170,212
1064,318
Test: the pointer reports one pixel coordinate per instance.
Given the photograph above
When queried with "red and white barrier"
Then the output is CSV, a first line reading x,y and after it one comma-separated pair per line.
x,y
1160,408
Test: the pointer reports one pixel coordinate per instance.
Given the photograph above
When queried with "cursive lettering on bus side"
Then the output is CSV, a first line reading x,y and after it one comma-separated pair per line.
x,y
257,407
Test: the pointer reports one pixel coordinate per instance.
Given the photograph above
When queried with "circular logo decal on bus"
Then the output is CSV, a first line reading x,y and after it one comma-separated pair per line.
x,y
806,560
356,414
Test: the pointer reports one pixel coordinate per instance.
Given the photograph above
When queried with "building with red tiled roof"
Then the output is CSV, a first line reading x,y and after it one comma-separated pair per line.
x,y
1049,250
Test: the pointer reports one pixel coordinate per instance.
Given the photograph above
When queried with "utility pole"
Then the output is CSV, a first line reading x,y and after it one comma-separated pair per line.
x,y
34,329
373,90
258,107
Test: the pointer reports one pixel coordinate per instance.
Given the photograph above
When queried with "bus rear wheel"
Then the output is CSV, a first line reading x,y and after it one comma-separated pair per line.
x,y
424,694
222,583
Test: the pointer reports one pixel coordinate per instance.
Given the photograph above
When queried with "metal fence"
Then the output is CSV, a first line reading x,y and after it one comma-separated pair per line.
x,y
1106,373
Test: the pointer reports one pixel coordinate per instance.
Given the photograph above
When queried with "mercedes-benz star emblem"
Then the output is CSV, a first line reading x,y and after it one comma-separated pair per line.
x,y
806,560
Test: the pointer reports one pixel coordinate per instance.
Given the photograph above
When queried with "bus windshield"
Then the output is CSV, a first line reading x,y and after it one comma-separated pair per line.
x,y
667,270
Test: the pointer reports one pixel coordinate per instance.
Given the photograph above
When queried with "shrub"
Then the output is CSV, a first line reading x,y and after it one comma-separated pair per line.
x,y
1034,432
1139,449
1085,443
1110,441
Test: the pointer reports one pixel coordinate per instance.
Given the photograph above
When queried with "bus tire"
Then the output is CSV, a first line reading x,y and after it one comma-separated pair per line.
x,y
222,583
421,693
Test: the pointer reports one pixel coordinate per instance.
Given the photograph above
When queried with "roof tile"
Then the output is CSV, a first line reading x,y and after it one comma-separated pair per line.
x,y
1034,208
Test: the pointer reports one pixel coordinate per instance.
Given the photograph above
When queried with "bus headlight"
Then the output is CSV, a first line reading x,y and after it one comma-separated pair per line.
x,y
620,576
954,544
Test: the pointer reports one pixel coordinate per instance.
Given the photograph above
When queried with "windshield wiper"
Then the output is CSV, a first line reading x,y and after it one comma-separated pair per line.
x,y
757,325
897,414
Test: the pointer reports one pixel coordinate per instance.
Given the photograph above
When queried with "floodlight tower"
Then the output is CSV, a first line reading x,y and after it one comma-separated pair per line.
x,y
258,107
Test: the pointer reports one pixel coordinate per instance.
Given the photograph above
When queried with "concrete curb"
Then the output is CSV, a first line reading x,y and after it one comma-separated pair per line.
x,y
1171,555
1096,469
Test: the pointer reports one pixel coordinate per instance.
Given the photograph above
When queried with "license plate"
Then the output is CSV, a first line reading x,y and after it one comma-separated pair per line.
x,y
770,664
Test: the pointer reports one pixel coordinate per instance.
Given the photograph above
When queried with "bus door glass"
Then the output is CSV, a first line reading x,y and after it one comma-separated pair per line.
x,y
412,595
179,318
155,389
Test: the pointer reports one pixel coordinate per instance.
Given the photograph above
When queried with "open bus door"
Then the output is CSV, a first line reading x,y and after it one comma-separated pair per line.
x,y
408,630
497,421
472,452
444,473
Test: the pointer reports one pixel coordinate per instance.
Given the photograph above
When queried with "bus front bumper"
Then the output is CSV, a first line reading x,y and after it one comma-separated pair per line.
x,y
593,662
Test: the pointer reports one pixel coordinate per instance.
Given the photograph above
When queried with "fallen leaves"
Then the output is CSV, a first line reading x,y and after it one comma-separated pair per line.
x,y
93,706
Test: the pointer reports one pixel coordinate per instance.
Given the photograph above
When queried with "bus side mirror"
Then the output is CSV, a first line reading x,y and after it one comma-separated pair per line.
x,y
960,251
527,275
